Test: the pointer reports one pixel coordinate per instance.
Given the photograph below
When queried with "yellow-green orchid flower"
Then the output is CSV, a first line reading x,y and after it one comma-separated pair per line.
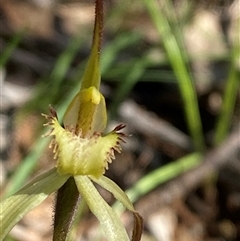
x,y
82,153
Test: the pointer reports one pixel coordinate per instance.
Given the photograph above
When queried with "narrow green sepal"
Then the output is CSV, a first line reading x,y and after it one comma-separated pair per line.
x,y
16,206
86,113
92,75
109,220
121,196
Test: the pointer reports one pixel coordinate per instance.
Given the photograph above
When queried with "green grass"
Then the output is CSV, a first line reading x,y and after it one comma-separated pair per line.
x,y
51,89
12,45
229,97
177,57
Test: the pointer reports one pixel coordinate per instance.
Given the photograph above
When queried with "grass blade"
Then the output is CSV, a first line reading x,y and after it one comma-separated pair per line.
x,y
178,61
229,99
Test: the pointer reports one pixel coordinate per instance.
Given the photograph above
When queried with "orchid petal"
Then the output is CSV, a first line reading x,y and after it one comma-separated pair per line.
x,y
113,188
86,113
109,220
121,196
13,208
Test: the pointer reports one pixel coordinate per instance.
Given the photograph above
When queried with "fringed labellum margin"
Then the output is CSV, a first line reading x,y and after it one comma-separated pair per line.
x,y
77,155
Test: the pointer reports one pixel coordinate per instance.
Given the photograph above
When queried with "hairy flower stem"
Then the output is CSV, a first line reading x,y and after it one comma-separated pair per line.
x,y
67,203
68,197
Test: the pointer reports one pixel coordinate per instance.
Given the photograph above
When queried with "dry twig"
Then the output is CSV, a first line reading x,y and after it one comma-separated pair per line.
x,y
179,187
145,122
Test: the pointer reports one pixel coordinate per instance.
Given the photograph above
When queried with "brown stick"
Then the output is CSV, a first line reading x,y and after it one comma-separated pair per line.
x,y
145,122
180,186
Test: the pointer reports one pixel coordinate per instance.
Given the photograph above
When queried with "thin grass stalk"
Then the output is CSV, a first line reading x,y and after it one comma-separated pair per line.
x,y
229,100
178,61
